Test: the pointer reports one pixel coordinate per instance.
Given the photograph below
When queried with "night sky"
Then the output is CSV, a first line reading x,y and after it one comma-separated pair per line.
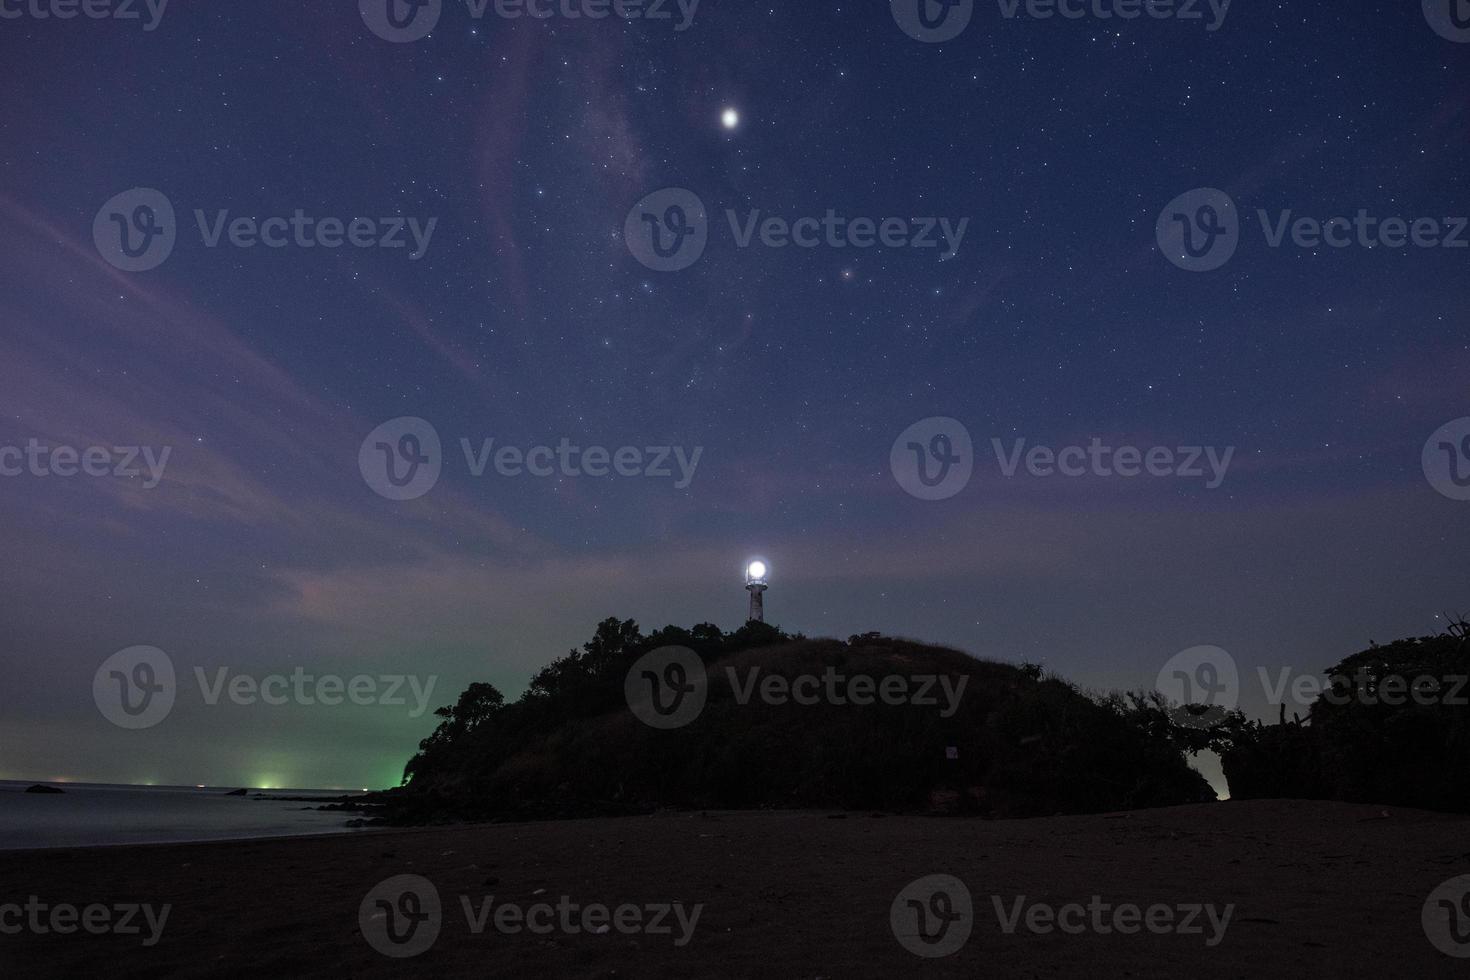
x,y
528,319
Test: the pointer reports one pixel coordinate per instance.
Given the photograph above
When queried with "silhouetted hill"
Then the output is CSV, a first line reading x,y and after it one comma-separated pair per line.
x,y
1022,744
1392,727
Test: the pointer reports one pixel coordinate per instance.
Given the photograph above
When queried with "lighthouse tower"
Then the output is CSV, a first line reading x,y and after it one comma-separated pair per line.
x,y
755,584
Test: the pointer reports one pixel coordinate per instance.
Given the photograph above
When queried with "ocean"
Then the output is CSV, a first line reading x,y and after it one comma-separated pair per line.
x,y
90,814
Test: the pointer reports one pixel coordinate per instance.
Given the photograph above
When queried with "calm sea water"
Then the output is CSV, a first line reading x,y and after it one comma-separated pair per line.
x,y
87,814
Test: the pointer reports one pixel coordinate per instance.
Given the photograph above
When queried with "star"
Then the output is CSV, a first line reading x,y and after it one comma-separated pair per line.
x,y
730,118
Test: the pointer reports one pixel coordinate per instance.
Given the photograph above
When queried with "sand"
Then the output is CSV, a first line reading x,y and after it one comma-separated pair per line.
x,y
1319,889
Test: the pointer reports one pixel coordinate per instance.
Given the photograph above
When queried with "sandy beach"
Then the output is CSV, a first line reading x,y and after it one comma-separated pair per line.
x,y
1317,889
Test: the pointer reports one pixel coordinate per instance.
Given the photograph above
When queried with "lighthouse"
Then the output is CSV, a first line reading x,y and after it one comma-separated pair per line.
x,y
755,584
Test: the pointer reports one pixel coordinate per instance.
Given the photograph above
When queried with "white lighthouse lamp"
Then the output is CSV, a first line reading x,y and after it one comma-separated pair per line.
x,y
755,584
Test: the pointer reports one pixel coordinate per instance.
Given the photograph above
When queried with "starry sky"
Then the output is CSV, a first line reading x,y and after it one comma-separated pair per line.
x,y
529,319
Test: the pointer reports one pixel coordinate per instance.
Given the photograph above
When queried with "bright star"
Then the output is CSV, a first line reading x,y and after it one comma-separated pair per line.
x,y
730,118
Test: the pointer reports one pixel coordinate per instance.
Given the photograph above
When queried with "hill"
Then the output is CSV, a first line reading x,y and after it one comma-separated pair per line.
x,y
967,735
1391,725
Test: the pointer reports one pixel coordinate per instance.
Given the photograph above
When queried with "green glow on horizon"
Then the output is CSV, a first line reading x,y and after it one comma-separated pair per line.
x,y
272,774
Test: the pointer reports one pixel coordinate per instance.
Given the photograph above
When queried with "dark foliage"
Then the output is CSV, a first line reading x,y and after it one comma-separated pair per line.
x,y
1025,744
1392,727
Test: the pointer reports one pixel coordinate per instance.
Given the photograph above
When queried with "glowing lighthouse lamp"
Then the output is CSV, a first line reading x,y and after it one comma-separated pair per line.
x,y
755,584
